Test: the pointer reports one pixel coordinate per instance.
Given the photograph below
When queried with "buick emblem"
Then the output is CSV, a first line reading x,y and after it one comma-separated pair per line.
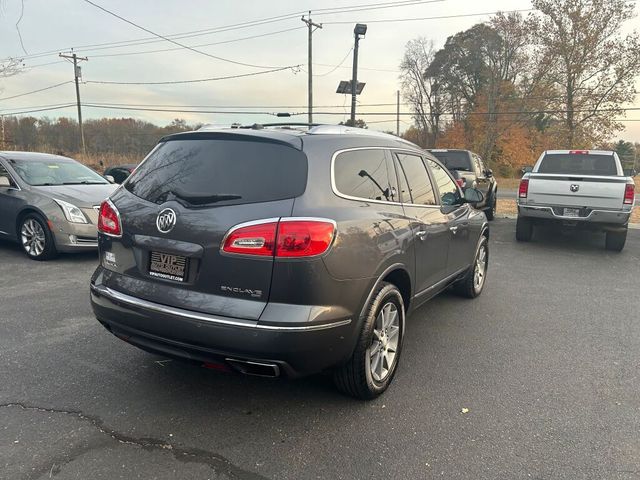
x,y
574,187
166,220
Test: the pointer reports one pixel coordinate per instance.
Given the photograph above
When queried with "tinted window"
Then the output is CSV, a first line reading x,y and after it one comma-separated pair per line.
x,y
454,160
366,174
577,163
228,172
55,172
418,180
449,194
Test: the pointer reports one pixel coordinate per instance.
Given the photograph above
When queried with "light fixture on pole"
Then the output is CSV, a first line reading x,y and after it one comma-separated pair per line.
x,y
359,32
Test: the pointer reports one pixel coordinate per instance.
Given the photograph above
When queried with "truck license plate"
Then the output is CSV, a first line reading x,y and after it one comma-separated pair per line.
x,y
571,212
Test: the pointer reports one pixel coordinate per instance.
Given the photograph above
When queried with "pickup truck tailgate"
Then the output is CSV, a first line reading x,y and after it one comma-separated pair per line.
x,y
594,192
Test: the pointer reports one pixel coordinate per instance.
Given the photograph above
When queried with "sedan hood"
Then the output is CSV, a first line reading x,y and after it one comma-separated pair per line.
x,y
79,195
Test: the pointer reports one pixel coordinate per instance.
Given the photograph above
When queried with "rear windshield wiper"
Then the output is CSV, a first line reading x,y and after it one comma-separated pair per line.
x,y
201,199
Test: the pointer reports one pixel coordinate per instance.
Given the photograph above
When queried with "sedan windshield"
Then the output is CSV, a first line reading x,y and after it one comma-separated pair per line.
x,y
55,172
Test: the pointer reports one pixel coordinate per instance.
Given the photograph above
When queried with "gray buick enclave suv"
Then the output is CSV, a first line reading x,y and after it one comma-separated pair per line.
x,y
284,251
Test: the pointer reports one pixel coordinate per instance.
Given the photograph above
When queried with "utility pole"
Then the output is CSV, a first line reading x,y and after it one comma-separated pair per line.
x,y
77,73
398,113
310,26
359,30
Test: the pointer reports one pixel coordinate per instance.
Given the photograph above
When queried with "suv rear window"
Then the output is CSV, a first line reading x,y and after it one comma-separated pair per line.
x,y
220,171
454,160
578,164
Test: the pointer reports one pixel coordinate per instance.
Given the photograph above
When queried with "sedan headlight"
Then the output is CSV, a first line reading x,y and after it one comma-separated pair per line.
x,y
71,212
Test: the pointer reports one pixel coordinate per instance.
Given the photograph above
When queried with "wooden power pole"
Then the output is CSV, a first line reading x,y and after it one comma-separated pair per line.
x,y
77,73
310,26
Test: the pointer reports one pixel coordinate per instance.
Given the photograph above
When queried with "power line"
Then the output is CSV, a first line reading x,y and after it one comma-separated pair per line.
x,y
142,52
36,91
236,26
197,80
440,17
39,110
337,66
182,44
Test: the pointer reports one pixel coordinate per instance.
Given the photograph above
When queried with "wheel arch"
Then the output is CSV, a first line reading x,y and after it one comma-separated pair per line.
x,y
398,275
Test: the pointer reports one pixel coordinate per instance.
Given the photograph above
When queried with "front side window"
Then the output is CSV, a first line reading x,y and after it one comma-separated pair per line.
x,y
418,181
366,174
449,194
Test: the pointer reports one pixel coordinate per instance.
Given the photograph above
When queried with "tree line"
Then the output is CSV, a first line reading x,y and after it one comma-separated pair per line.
x,y
516,85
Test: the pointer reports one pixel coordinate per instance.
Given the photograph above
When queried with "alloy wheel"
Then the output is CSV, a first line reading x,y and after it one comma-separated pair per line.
x,y
33,237
384,345
480,268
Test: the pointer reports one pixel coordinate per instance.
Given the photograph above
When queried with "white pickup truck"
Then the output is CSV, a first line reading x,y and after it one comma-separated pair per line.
x,y
577,188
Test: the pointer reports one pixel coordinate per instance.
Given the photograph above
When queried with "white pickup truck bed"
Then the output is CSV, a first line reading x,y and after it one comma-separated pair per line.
x,y
576,188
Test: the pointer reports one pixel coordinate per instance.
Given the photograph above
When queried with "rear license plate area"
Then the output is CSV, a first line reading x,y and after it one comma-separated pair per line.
x,y
168,267
572,212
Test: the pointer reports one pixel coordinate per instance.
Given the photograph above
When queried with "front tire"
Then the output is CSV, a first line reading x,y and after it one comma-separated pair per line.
x,y
471,285
374,361
491,211
35,238
524,229
615,241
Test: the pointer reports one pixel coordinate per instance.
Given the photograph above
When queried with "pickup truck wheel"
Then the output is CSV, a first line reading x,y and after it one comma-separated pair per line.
x,y
471,285
524,230
373,364
615,241
491,211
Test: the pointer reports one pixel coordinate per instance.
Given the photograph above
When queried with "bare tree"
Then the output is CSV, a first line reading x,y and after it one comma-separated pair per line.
x,y
421,91
10,67
589,61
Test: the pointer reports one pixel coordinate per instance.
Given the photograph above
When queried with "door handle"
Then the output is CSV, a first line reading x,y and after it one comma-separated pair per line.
x,y
454,229
422,234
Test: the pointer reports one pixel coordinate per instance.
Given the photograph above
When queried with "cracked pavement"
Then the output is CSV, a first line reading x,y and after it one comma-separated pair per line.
x,y
546,361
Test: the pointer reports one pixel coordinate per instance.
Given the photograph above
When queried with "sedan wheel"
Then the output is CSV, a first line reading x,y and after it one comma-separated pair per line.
x,y
35,238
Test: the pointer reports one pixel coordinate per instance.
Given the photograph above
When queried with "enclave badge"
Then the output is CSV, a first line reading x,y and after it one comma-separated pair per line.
x,y
166,220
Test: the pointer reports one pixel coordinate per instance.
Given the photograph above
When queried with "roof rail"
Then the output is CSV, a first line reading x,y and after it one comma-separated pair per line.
x,y
346,130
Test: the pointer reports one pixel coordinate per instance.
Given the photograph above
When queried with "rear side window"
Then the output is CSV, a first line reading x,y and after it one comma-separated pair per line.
x,y
454,160
220,171
416,176
366,174
578,164
449,194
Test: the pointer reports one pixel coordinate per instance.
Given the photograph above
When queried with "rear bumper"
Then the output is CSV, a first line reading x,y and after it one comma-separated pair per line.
x,y
596,217
298,350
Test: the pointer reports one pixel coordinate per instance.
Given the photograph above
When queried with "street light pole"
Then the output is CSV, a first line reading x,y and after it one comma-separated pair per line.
x,y
358,31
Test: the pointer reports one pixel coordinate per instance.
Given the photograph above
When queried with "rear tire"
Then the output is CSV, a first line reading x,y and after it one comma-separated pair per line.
x,y
524,229
471,285
35,238
615,241
374,361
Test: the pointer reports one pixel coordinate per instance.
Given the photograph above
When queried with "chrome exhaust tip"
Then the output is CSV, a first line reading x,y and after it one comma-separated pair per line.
x,y
258,369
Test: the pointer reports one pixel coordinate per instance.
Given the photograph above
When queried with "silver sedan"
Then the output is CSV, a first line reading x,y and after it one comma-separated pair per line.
x,y
49,203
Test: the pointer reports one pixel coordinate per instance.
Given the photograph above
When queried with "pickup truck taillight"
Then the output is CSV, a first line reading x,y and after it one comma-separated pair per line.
x,y
629,193
461,182
523,189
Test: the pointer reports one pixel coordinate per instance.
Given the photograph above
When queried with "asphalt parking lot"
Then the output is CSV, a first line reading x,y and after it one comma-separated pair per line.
x,y
546,361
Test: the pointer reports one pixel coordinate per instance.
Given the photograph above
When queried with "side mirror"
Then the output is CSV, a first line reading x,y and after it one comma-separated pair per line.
x,y
5,182
473,196
489,173
110,178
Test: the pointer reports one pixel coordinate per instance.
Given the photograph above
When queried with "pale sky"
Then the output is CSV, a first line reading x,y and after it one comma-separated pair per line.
x,y
49,26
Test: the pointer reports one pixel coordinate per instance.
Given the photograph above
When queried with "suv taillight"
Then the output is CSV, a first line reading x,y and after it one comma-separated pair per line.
x,y
109,219
629,193
287,238
523,190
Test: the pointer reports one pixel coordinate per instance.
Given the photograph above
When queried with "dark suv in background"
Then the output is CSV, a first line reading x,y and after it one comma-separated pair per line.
x,y
468,170
278,251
